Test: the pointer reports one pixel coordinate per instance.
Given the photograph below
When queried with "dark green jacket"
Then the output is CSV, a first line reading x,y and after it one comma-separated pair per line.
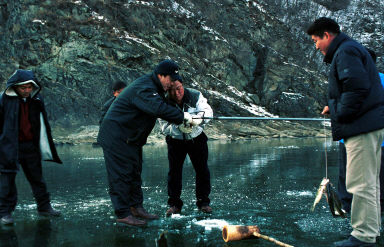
x,y
133,114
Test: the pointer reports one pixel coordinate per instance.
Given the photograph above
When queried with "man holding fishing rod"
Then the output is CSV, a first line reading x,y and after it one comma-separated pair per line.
x,y
191,140
345,197
356,108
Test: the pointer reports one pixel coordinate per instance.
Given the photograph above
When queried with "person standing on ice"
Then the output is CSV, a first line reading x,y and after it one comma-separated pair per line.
x,y
124,131
191,141
356,108
25,140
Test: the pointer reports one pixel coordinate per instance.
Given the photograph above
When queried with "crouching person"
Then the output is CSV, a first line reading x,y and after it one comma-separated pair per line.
x,y
187,139
25,140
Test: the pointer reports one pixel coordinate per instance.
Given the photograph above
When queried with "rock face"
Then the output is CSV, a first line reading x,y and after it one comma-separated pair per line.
x,y
247,57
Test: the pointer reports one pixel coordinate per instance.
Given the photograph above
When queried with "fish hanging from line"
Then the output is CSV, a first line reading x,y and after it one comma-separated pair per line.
x,y
320,191
334,202
326,188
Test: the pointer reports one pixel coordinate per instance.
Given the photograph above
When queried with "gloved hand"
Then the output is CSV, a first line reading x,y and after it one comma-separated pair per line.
x,y
187,118
187,129
196,121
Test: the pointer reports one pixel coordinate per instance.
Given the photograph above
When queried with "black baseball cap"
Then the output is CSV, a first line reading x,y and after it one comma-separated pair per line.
x,y
168,67
117,85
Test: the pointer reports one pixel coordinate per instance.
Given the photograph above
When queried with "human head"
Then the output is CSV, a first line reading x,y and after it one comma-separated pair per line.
x,y
22,83
176,93
167,71
322,32
24,90
117,87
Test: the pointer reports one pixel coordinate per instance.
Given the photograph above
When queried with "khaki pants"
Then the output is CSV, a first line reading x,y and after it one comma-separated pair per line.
x,y
362,180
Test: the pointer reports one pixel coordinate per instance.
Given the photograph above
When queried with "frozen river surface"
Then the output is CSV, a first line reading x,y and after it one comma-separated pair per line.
x,y
269,183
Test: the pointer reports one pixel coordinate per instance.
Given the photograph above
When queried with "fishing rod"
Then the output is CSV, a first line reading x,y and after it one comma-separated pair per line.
x,y
263,118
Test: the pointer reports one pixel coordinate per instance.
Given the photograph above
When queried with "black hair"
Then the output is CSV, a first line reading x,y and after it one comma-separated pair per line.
x,y
117,85
321,25
373,55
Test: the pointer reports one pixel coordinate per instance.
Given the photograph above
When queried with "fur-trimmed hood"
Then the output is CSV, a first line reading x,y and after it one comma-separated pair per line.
x,y
21,77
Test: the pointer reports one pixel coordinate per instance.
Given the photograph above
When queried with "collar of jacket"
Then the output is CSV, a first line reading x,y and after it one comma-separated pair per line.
x,y
157,82
340,38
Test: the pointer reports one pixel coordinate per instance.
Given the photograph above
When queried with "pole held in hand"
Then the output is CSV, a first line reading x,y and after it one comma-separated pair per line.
x,y
264,118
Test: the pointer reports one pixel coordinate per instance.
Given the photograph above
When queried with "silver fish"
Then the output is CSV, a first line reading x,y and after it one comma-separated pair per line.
x,y
320,192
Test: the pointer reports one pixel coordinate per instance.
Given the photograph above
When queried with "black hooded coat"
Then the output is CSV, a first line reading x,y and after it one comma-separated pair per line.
x,y
9,123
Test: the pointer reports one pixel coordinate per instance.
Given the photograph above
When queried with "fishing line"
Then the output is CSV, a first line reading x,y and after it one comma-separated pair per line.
x,y
325,150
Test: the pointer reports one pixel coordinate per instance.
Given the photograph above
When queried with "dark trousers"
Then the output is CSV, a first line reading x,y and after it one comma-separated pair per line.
x,y
344,195
30,161
124,177
197,149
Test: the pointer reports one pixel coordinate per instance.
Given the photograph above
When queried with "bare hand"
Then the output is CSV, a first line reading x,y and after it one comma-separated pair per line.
x,y
325,110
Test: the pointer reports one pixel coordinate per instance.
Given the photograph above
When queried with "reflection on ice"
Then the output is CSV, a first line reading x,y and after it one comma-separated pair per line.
x,y
209,224
288,147
269,183
177,216
34,206
94,203
299,193
26,206
322,224
258,163
93,158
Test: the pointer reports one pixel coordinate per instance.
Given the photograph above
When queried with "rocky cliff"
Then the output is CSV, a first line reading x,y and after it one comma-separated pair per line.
x,y
249,58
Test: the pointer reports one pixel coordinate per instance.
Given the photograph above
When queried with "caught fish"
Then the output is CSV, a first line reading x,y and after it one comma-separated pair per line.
x,y
334,201
322,190
326,188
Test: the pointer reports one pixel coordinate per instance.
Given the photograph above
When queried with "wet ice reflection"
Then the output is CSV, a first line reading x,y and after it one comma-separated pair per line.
x,y
269,183
211,223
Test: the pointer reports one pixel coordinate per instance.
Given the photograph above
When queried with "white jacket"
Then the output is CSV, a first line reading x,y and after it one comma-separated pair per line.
x,y
196,104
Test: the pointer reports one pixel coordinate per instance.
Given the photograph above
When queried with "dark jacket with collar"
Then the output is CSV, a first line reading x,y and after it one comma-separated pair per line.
x,y
9,123
133,114
105,108
356,96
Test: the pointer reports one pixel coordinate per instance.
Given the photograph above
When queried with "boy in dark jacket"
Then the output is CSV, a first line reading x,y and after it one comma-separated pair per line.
x,y
25,139
117,88
356,108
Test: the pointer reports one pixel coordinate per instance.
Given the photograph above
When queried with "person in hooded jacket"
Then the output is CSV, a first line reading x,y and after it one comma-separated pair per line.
x,y
356,109
125,129
25,140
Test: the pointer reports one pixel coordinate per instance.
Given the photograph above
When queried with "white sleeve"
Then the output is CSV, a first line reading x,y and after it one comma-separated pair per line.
x,y
203,108
45,149
168,128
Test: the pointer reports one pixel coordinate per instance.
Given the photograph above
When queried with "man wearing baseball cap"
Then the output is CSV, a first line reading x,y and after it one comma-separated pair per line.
x,y
124,131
